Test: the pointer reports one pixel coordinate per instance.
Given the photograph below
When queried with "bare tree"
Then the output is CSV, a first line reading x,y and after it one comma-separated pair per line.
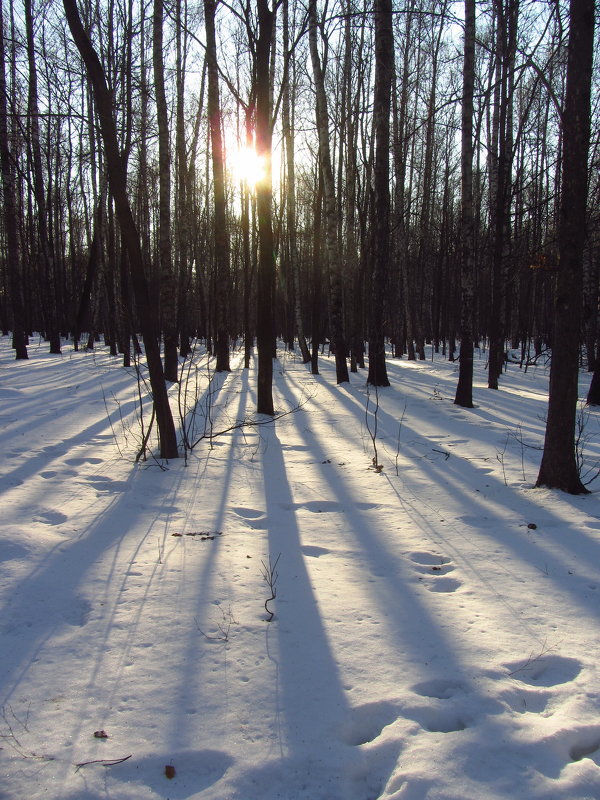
x,y
464,389
558,469
118,187
331,221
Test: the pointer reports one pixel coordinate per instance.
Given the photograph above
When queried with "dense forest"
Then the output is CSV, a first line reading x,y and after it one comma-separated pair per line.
x,y
360,175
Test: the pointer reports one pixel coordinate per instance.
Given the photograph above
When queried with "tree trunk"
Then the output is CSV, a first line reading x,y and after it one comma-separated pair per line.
x,y
48,278
221,236
464,389
558,469
9,208
118,188
265,328
288,137
168,287
331,227
380,224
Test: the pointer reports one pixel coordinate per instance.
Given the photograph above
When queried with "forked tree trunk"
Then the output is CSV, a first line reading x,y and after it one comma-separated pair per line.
x,y
118,187
558,469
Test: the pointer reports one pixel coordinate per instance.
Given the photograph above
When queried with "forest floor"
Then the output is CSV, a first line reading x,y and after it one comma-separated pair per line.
x,y
435,632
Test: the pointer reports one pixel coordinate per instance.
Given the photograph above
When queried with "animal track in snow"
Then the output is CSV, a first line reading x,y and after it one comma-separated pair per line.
x,y
436,717
545,670
437,720
444,585
440,688
367,721
428,559
586,742
437,566
568,745
49,517
523,700
314,551
248,513
76,462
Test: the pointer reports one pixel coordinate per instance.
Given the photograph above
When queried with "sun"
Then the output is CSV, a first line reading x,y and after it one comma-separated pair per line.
x,y
247,166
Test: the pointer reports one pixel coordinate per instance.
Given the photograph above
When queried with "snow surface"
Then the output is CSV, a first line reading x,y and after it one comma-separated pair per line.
x,y
435,630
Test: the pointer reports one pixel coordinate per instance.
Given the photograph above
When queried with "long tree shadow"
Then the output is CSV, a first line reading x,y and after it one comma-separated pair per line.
x,y
312,702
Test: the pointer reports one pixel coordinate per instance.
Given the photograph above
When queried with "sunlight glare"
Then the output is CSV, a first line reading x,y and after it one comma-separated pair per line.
x,y
248,167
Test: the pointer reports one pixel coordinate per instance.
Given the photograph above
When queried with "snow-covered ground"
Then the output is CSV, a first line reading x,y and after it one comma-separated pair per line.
x,y
435,632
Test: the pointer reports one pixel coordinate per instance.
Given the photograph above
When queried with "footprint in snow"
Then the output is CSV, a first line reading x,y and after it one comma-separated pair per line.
x,y
313,551
366,722
439,688
545,670
444,585
248,513
429,559
49,517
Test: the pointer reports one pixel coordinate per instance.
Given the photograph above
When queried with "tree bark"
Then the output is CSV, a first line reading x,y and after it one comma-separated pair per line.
x,y
380,224
331,222
168,283
221,236
9,208
464,389
265,327
558,469
118,187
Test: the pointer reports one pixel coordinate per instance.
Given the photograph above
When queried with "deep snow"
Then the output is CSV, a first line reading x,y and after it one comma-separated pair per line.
x,y
436,623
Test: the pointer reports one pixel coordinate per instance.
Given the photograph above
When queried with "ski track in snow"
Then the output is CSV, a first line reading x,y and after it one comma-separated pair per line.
x,y
435,630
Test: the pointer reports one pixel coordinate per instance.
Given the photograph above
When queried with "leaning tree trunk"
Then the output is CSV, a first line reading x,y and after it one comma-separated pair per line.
x,y
558,469
464,388
118,187
331,222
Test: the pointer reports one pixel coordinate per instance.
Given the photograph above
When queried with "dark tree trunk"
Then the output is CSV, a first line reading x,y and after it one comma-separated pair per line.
x,y
221,237
331,222
118,188
558,469
168,283
265,328
464,389
48,278
380,224
9,208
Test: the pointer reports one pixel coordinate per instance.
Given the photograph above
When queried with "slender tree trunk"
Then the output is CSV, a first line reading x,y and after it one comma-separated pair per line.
x,y
48,280
558,469
221,236
288,136
168,283
265,327
118,188
9,208
464,389
331,222
380,224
